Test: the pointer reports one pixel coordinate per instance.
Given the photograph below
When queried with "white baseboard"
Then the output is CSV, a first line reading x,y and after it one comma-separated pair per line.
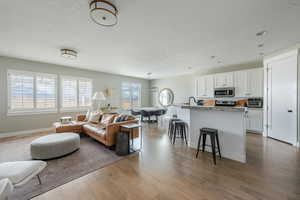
x,y
24,133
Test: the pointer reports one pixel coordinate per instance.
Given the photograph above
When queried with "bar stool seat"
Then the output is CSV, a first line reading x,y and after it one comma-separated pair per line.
x,y
214,137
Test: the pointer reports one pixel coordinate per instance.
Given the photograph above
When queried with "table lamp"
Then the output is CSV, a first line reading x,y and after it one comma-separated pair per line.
x,y
99,96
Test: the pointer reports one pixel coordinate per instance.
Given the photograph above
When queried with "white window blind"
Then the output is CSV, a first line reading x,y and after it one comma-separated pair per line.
x,y
130,95
31,92
85,92
45,92
69,88
76,93
21,91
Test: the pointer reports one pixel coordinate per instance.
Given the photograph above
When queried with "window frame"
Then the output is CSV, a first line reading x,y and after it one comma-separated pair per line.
x,y
77,108
34,110
131,99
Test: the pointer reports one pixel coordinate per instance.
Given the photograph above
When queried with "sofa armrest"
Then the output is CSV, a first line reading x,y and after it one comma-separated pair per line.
x,y
113,128
80,117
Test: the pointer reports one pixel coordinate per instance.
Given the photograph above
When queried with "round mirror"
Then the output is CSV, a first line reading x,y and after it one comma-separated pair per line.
x,y
166,97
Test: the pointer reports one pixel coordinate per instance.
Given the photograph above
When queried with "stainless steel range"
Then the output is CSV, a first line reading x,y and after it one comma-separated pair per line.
x,y
225,103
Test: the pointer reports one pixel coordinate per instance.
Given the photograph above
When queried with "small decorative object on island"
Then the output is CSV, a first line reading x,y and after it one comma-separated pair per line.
x,y
66,120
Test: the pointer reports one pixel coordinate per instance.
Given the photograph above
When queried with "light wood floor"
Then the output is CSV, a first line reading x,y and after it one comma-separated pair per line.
x,y
164,171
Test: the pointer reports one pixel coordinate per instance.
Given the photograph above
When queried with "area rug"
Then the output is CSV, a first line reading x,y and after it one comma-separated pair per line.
x,y
91,156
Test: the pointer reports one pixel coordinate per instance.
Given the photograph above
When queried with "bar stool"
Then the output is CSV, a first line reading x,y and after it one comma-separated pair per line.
x,y
178,128
171,126
213,133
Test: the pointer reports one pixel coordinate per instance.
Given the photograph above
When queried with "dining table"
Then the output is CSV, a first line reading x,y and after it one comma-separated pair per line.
x,y
148,112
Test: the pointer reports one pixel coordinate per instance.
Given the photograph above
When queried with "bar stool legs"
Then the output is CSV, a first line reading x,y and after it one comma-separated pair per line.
x,y
214,137
178,128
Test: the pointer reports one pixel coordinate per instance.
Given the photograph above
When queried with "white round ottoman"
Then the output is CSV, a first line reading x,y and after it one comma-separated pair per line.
x,y
54,145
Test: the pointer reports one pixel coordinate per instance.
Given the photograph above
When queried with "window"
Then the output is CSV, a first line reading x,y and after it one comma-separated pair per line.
x,y
130,95
30,92
76,93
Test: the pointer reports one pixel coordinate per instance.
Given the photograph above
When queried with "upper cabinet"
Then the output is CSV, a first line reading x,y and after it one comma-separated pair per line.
x,y
249,83
224,80
205,86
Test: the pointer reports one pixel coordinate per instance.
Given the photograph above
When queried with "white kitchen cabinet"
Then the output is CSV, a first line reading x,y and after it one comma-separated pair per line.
x,y
205,86
249,83
224,80
254,120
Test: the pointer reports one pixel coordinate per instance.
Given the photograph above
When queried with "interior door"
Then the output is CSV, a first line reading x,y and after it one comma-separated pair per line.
x,y
282,99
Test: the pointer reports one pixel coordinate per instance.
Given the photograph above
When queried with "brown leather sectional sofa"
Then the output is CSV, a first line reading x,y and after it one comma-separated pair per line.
x,y
105,134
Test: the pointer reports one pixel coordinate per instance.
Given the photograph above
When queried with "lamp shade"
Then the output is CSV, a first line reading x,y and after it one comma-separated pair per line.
x,y
99,96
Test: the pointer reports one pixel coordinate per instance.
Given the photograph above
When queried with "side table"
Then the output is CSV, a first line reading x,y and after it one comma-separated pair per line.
x,y
130,128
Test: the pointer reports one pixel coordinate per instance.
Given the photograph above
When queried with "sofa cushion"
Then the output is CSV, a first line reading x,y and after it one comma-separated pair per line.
x,y
107,119
94,129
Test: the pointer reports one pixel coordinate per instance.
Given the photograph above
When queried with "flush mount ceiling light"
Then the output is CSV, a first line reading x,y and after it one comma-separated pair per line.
x,y
103,13
68,53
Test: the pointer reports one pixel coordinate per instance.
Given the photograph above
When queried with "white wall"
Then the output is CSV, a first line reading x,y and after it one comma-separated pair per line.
x,y
101,81
184,86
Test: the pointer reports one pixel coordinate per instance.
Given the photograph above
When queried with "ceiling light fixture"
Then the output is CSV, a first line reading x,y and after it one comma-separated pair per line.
x,y
219,62
213,57
68,53
261,33
103,13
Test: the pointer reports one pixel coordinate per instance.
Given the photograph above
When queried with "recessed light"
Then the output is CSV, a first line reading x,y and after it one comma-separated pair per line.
x,y
261,33
213,57
260,45
68,54
219,62
261,54
149,73
189,67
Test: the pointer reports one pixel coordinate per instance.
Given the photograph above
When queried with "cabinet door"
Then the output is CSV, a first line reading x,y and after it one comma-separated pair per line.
x,y
255,82
224,80
240,83
209,86
255,120
201,86
220,81
229,79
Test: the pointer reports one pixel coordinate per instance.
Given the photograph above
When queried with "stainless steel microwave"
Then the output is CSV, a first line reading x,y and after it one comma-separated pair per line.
x,y
224,92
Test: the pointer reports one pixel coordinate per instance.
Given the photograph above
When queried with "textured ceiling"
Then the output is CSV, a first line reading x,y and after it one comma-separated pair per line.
x,y
163,37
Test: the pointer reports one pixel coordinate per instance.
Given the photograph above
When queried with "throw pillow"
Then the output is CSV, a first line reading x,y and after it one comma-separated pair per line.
x,y
94,117
107,119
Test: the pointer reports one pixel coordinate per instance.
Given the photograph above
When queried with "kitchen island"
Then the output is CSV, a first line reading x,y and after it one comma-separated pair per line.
x,y
230,122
